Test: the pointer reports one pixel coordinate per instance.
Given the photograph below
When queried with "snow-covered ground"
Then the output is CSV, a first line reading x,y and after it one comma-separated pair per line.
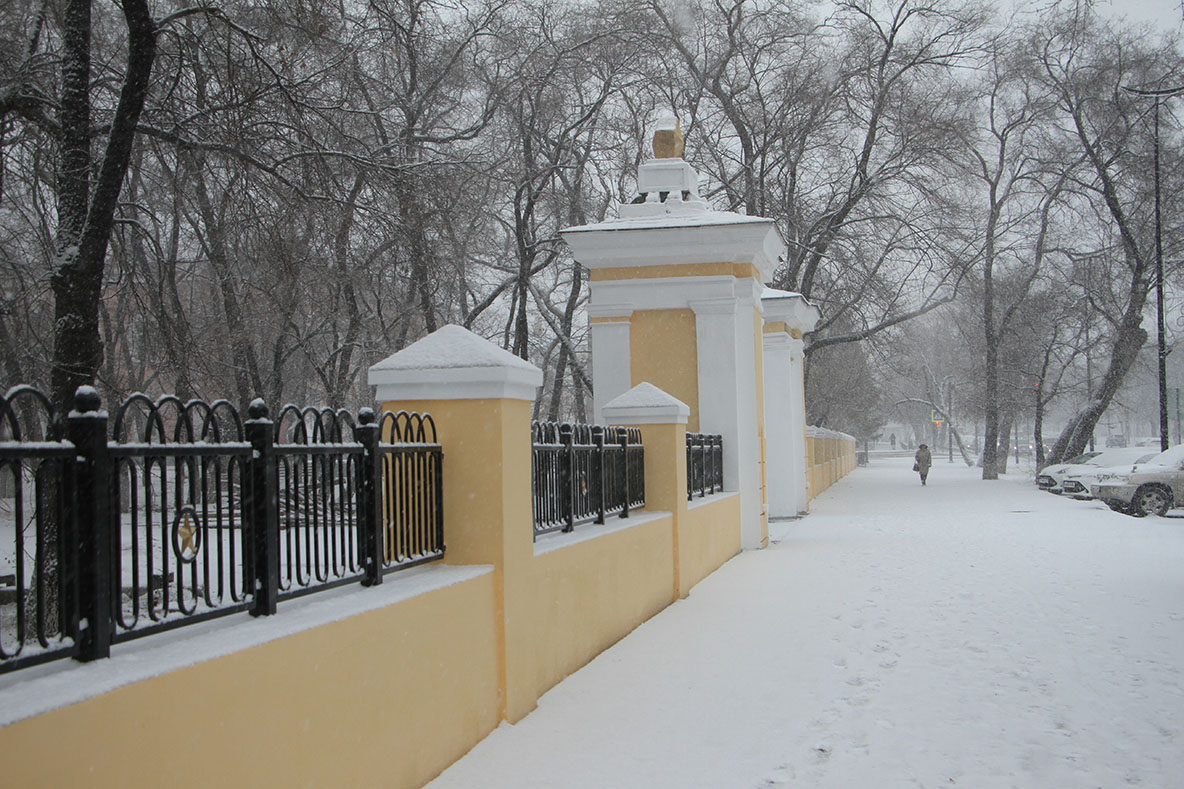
x,y
962,634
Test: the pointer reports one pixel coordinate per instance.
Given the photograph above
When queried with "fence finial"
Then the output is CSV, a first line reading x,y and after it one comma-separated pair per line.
x,y
87,399
257,409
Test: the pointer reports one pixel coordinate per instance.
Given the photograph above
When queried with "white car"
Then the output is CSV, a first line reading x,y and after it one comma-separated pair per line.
x,y
1150,488
1076,483
1052,478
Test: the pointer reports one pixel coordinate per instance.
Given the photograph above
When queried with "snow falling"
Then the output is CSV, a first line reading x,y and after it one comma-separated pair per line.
x,y
961,634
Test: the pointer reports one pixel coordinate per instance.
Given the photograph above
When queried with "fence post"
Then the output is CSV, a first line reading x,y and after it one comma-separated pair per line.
x,y
662,422
369,497
86,429
567,477
623,438
262,508
598,440
480,401
717,464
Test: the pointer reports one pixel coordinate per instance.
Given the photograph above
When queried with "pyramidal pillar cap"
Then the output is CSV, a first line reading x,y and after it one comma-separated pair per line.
x,y
646,404
452,363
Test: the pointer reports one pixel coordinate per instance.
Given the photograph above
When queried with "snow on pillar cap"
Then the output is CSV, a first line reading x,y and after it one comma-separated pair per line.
x,y
452,363
646,404
791,308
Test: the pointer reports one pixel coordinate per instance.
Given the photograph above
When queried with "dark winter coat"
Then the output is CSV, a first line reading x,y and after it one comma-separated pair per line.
x,y
924,460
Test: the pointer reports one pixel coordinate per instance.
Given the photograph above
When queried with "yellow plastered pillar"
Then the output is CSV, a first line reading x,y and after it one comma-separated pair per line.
x,y
664,352
663,422
479,397
811,479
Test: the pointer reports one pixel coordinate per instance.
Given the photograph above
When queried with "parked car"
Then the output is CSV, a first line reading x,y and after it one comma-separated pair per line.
x,y
1076,483
1050,477
1149,488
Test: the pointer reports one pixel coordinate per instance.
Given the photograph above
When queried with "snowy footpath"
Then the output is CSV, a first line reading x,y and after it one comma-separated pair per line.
x,y
967,633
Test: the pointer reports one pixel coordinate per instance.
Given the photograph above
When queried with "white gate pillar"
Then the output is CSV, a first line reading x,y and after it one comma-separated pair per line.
x,y
610,345
787,316
675,302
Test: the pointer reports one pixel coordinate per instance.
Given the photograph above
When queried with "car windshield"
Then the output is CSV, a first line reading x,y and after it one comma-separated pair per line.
x,y
1170,457
1082,458
1118,457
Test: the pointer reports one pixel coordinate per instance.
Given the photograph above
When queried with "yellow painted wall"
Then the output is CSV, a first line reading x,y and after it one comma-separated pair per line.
x,y
385,698
392,697
719,269
776,327
827,461
585,597
664,351
709,537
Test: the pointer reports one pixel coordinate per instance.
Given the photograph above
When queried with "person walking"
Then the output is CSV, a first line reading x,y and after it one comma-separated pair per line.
x,y
923,460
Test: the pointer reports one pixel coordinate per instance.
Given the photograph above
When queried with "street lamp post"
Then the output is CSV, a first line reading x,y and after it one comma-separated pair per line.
x,y
1159,95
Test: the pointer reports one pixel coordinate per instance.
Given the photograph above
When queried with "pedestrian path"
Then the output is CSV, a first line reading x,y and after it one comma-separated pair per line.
x,y
966,633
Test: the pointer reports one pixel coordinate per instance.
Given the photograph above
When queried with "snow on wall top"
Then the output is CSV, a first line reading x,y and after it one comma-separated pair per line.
x,y
672,220
452,347
645,395
793,308
823,432
646,404
774,293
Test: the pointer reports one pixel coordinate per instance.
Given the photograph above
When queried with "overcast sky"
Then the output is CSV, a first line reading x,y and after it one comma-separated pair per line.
x,y
1164,13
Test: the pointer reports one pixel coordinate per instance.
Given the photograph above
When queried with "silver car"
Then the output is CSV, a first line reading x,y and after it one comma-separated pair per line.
x,y
1076,482
1052,478
1150,488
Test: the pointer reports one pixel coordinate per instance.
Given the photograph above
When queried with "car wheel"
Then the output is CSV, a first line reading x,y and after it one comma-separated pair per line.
x,y
1151,500
1117,506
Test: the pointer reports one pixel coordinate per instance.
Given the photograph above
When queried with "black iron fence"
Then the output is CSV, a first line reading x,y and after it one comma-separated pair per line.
x,y
38,599
583,473
705,464
187,512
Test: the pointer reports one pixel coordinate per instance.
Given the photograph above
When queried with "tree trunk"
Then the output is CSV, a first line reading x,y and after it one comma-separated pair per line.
x,y
1076,434
569,311
1004,445
991,427
246,365
341,370
86,217
1038,431
84,229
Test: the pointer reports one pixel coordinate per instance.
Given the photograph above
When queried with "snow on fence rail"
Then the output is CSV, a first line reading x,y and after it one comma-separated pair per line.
x,y
187,512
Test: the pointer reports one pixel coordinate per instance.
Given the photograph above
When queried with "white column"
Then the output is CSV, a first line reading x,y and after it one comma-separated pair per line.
x,y
727,402
611,361
785,457
796,398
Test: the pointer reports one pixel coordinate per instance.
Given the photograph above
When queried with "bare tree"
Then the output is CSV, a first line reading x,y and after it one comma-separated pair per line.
x,y
1085,63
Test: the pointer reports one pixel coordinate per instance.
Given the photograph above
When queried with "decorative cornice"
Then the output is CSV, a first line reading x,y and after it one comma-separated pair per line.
x,y
791,308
